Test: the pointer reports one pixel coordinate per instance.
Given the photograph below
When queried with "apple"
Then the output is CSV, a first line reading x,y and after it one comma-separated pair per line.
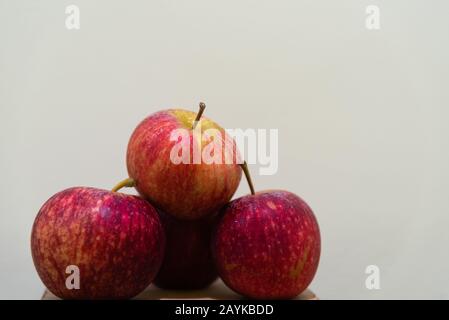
x,y
187,189
267,244
114,243
188,262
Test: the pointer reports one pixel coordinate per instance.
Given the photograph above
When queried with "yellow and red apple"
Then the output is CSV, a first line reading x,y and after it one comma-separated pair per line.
x,y
187,189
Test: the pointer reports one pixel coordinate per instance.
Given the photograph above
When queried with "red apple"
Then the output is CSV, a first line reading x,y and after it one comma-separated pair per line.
x,y
188,262
187,190
267,245
115,240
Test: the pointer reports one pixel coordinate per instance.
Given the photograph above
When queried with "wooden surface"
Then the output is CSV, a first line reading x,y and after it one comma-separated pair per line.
x,y
217,291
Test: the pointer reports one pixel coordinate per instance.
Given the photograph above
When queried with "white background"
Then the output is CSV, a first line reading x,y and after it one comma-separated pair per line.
x,y
362,118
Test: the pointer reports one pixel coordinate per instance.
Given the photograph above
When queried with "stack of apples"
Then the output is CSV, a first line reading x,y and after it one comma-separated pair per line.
x,y
182,232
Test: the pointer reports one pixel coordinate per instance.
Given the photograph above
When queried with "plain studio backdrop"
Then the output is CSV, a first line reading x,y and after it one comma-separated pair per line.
x,y
362,116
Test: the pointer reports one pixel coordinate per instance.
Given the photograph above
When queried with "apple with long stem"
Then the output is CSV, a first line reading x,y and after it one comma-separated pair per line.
x,y
187,189
111,242
267,244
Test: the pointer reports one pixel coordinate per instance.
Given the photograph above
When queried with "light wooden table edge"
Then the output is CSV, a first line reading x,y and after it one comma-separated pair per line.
x,y
217,291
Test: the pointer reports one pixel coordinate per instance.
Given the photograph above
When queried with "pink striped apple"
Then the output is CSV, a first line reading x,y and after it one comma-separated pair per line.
x,y
267,244
185,164
115,241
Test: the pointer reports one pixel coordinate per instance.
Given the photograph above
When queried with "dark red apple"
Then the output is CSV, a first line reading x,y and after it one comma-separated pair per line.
x,y
115,240
267,245
190,189
188,262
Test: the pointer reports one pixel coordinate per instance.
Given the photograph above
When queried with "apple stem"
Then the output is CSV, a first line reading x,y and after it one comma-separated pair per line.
x,y
199,114
248,177
128,183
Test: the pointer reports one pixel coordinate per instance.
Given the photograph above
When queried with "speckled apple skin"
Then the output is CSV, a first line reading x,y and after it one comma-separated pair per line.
x,y
188,262
267,246
116,240
186,191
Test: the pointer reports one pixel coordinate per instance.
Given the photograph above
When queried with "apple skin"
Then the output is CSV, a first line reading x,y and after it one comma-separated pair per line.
x,y
187,191
267,245
188,263
116,240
